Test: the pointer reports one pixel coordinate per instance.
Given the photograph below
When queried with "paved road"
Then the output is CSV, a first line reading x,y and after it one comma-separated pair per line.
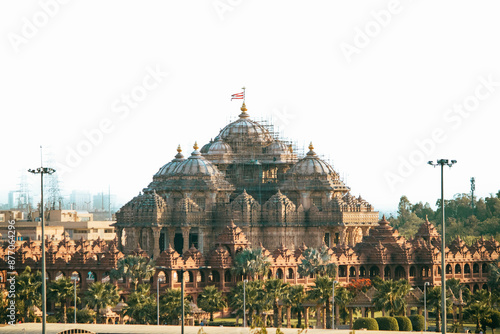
x,y
138,329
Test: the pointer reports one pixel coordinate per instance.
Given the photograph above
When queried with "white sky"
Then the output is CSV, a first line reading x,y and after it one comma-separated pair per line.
x,y
365,114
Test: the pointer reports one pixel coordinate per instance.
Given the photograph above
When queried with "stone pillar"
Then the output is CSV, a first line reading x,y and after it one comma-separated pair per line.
x,y
305,199
350,318
137,237
171,236
185,238
200,240
119,234
156,241
372,312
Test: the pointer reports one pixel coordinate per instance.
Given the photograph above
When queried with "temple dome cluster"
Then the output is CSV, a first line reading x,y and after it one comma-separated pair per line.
x,y
248,174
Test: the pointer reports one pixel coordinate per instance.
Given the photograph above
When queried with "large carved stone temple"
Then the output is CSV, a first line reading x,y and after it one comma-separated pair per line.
x,y
252,177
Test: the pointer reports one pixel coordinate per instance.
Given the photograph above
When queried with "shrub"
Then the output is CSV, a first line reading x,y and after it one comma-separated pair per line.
x,y
387,324
417,322
368,323
404,324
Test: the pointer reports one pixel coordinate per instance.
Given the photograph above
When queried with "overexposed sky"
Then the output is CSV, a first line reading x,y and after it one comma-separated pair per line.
x,y
380,87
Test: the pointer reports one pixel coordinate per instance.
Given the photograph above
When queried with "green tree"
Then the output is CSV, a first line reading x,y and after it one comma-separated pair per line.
x,y
28,291
101,295
390,296
256,300
276,290
134,268
251,262
434,302
479,308
342,298
296,297
141,306
211,300
171,306
61,292
317,261
321,292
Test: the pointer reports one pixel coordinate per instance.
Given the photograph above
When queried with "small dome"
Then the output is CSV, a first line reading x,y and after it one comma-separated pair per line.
x,y
245,127
278,147
168,168
311,165
196,164
219,147
205,147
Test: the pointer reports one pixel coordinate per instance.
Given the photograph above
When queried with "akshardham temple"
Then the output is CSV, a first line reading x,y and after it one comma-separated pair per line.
x,y
249,188
248,175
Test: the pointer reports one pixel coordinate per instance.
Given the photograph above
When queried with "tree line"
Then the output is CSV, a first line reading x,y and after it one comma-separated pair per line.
x,y
467,217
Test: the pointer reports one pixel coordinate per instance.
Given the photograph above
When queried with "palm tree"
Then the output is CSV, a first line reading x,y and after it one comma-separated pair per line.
x,y
295,298
211,300
141,306
276,290
61,291
171,306
250,262
101,295
321,292
342,299
479,308
255,299
28,290
434,302
135,268
317,261
390,296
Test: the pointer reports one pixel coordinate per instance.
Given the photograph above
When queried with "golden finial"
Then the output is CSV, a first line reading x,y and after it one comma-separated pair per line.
x,y
195,145
243,107
179,148
311,147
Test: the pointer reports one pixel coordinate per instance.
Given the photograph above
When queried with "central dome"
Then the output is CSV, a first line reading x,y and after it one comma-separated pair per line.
x,y
246,128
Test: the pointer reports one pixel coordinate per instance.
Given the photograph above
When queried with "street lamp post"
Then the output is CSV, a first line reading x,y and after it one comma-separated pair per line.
x,y
158,300
333,304
41,171
425,305
245,281
75,279
182,300
442,163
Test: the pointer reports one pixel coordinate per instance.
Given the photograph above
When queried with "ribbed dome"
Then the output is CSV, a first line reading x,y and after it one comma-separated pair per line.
x,y
196,164
168,168
278,147
219,147
245,127
311,164
205,147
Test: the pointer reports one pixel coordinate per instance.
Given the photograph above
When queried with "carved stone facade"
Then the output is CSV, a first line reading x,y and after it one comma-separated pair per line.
x,y
248,175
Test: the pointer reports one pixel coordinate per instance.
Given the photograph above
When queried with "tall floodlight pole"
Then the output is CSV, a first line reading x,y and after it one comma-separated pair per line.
x,y
43,170
425,306
333,304
442,163
158,300
245,281
182,300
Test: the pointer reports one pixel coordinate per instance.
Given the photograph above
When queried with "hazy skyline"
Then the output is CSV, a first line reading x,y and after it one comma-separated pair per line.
x,y
379,87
